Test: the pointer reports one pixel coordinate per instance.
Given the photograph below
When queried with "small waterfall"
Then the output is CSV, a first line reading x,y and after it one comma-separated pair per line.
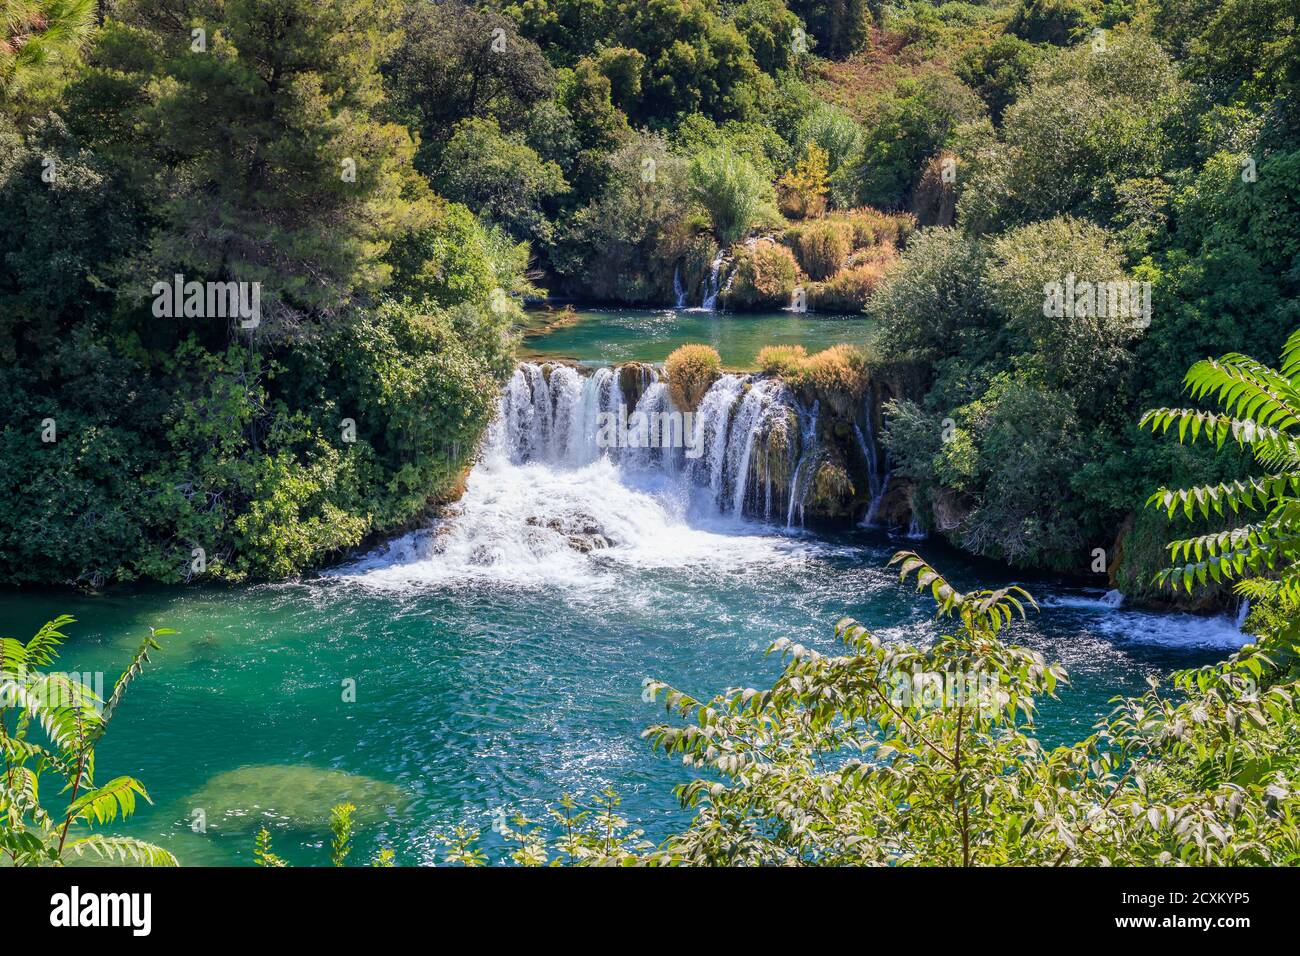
x,y
915,531
1243,612
801,482
734,461
1113,598
679,290
714,284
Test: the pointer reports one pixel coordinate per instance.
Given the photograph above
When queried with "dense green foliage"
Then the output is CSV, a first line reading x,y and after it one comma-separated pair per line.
x,y
1126,150
1260,413
50,725
147,439
383,168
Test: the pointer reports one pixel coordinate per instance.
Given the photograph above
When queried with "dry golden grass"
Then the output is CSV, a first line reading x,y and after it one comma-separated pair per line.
x,y
690,370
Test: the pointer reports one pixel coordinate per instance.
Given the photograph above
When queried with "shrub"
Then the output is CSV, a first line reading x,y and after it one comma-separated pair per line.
x,y
784,360
804,188
764,275
850,288
691,370
822,249
736,195
837,375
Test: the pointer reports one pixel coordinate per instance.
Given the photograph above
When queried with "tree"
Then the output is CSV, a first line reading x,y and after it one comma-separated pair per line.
x,y
501,177
39,41
453,66
304,188
998,72
840,27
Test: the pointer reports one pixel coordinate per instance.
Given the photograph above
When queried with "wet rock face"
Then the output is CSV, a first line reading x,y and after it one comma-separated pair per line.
x,y
582,532
833,493
633,379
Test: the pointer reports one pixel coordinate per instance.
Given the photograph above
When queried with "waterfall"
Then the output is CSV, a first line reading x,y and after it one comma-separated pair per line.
x,y
803,471
679,291
877,473
915,532
1113,598
873,510
714,285
731,457
1243,612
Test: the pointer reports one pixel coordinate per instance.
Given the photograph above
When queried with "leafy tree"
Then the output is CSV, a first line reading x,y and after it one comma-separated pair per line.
x,y
599,127
1091,121
305,188
998,72
936,305
1059,22
50,725
622,246
696,61
447,70
770,28
501,177
912,122
840,27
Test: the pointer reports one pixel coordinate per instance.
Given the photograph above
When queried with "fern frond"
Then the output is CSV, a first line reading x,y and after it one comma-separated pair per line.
x,y
43,648
1247,389
1252,494
103,804
123,850
132,671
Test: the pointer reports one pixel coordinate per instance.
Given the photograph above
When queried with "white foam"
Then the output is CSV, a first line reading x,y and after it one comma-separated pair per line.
x,y
1111,620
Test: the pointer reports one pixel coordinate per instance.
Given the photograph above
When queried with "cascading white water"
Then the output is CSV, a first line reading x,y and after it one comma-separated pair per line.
x,y
877,476
679,290
714,286
802,479
561,418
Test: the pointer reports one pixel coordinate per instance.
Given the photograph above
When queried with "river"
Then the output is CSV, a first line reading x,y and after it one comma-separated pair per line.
x,y
496,659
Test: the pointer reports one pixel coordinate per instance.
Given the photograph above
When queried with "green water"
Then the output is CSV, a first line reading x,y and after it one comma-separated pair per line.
x,y
604,337
478,688
495,667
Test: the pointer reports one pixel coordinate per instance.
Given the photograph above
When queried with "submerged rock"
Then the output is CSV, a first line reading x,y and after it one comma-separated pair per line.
x,y
291,796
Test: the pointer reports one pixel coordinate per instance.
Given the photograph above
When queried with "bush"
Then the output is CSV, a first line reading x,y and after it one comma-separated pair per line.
x,y
822,249
764,275
935,304
737,197
783,360
850,288
691,370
